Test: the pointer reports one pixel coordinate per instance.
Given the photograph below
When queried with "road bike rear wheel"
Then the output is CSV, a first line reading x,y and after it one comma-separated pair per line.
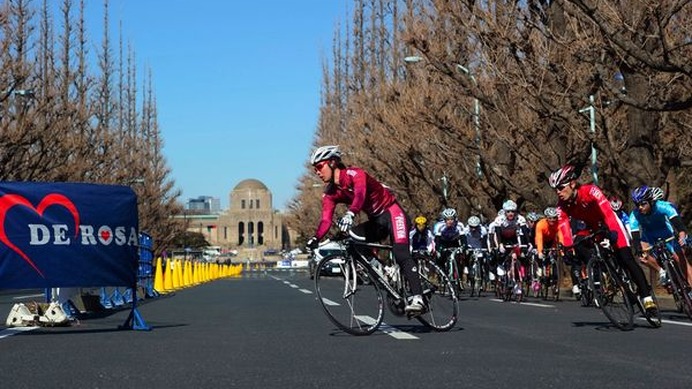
x,y
349,294
440,298
610,294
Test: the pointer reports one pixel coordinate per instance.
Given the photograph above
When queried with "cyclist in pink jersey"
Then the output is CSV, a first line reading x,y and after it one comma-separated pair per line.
x,y
356,188
588,203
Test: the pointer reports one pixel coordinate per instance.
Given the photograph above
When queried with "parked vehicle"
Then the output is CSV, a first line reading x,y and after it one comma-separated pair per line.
x,y
325,249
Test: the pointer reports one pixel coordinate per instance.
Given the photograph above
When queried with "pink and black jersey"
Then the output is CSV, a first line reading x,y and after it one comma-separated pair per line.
x,y
592,207
360,191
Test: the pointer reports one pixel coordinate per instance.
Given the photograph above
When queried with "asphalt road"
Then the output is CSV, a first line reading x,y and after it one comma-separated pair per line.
x,y
266,330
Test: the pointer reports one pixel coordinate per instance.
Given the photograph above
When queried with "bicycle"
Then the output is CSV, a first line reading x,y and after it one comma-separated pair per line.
x,y
353,299
550,277
614,291
477,277
534,276
510,280
679,287
451,266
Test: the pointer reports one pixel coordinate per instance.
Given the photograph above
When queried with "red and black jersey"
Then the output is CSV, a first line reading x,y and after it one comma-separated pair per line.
x,y
591,206
357,189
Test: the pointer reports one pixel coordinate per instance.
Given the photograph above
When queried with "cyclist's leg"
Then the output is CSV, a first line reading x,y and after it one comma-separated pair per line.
x,y
398,225
626,258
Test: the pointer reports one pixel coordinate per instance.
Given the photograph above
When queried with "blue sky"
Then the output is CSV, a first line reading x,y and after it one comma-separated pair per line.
x,y
237,84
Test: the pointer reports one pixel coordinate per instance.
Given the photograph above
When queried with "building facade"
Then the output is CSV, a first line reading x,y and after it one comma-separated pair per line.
x,y
250,222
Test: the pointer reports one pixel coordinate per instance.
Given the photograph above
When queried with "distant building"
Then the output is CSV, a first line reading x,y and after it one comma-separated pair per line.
x,y
251,222
204,204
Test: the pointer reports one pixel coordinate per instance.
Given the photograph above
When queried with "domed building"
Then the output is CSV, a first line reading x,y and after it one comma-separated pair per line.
x,y
251,221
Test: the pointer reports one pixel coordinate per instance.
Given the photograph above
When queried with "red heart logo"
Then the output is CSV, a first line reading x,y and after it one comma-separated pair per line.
x,y
105,234
10,200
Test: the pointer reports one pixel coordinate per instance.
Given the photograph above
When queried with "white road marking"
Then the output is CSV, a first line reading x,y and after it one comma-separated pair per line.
x,y
14,331
525,303
387,329
679,323
305,291
329,302
26,297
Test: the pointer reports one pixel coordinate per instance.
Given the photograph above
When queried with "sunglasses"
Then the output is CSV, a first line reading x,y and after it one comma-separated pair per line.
x,y
560,188
642,203
319,165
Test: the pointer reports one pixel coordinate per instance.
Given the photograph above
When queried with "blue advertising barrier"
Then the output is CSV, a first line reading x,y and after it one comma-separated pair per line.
x,y
145,272
69,235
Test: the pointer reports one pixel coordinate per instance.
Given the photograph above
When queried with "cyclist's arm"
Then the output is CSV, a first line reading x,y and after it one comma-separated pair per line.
x,y
431,242
636,241
359,189
538,239
610,219
564,227
328,206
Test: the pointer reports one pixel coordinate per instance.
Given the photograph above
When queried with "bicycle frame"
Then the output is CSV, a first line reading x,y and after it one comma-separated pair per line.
x,y
354,300
352,248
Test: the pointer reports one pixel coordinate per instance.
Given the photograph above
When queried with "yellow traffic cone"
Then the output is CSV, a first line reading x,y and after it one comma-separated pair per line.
x,y
186,274
179,270
168,278
158,277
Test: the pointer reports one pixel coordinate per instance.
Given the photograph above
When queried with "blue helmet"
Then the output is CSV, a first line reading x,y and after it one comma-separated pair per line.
x,y
642,193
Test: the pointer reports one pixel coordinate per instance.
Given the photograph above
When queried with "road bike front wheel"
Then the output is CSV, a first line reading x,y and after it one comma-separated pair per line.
x,y
610,294
349,294
442,308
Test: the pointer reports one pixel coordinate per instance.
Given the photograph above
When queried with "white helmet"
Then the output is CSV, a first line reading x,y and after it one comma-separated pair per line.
x,y
532,217
550,212
474,221
325,153
657,193
509,205
449,213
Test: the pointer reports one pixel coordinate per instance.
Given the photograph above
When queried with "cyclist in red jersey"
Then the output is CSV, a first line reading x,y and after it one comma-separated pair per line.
x,y
354,187
588,203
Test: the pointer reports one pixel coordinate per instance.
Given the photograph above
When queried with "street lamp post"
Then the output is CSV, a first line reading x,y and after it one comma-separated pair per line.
x,y
445,186
476,119
591,109
476,110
